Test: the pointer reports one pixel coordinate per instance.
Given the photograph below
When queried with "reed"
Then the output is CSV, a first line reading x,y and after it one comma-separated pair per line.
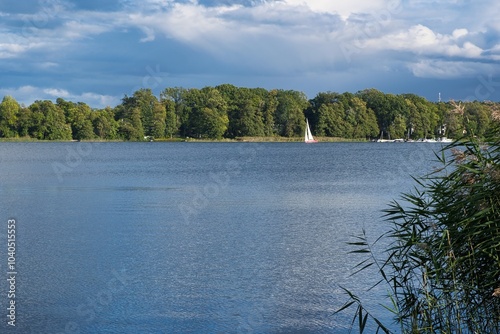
x,y
442,262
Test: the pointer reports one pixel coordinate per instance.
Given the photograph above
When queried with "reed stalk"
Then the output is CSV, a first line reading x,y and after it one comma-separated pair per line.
x,y
442,265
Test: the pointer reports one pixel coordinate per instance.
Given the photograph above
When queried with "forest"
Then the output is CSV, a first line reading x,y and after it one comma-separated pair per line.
x,y
227,111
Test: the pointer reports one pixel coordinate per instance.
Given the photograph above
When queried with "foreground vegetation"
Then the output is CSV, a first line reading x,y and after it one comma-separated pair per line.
x,y
442,265
227,111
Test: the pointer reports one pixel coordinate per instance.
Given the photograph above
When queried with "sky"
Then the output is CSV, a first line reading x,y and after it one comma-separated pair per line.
x,y
98,51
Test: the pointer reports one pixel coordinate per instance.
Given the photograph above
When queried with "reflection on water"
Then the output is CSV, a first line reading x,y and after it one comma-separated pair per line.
x,y
207,237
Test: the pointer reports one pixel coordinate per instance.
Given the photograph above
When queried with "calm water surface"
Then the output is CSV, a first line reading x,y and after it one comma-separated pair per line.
x,y
194,237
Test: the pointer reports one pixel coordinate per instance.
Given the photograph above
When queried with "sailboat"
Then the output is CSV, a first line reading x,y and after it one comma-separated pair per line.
x,y
308,138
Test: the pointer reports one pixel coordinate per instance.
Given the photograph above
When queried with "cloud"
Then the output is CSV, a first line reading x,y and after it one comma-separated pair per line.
x,y
29,94
103,49
444,69
494,52
421,40
47,65
343,8
54,92
10,50
78,29
52,27
270,36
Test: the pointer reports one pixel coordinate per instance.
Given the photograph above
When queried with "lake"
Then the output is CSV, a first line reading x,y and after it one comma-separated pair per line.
x,y
193,237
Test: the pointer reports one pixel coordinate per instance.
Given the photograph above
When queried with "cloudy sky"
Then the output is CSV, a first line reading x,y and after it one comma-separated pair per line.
x,y
97,51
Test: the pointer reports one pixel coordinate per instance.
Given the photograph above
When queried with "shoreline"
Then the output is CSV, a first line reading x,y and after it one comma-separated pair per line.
x,y
193,140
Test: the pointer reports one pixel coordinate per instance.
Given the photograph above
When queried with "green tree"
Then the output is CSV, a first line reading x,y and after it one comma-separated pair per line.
x,y
360,121
381,105
207,111
386,108
455,119
159,120
245,111
327,115
289,116
412,119
331,121
25,122
423,119
171,122
9,111
398,127
447,124
130,127
49,122
104,124
79,116
140,115
148,105
270,107
179,123
477,118
131,113
342,115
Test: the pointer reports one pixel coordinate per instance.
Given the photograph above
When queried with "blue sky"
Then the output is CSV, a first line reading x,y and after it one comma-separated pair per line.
x,y
98,51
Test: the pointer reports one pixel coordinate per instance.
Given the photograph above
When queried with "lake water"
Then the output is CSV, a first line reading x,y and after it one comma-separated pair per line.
x,y
193,237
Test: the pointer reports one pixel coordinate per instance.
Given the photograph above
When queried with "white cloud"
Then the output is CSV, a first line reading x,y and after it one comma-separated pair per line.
x,y
433,2
97,100
495,52
444,69
28,94
150,34
422,40
269,36
21,94
47,65
187,22
457,33
10,50
78,29
52,28
345,8
54,92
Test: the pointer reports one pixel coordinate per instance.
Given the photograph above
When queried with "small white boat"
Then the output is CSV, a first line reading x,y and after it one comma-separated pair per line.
x,y
308,137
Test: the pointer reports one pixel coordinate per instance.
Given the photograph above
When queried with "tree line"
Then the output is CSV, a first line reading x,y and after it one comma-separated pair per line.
x,y
227,111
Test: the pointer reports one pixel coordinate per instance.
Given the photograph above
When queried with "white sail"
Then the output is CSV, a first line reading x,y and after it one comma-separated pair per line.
x,y
308,137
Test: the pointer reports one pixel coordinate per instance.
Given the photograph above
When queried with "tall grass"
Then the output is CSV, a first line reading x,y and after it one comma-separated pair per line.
x,y
442,265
